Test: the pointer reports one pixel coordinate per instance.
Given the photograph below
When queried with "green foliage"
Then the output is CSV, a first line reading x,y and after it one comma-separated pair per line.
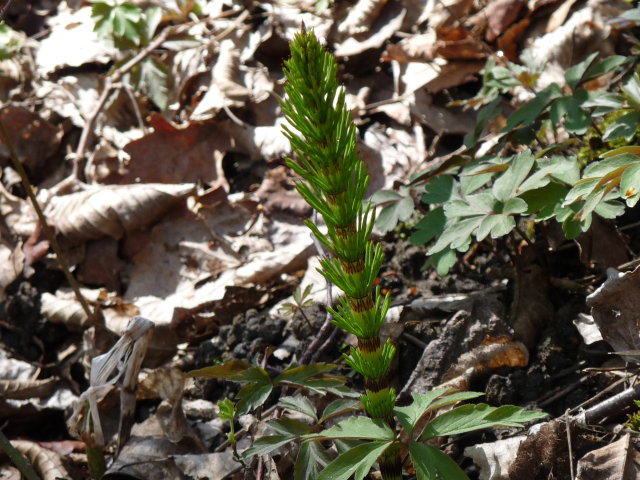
x,y
595,170
129,27
259,385
10,41
633,421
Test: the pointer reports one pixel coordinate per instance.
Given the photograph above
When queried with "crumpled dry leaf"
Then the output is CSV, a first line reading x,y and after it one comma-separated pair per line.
x,y
361,16
493,354
278,193
112,210
25,389
495,458
619,460
71,96
224,89
75,28
11,261
45,462
389,23
614,306
587,30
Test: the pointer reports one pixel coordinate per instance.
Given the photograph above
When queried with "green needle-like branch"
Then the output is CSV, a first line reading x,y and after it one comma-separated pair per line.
x,y
333,181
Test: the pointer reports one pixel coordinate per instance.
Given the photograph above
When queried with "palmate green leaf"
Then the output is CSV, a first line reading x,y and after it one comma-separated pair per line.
x,y
426,402
442,261
468,418
497,225
506,185
312,458
432,464
358,461
439,190
398,211
356,428
226,408
544,202
457,235
432,224
626,126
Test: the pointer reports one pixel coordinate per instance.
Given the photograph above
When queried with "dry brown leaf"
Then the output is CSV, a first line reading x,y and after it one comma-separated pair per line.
x,y
25,389
389,23
416,48
64,308
278,193
173,154
46,462
498,15
614,306
361,16
11,262
490,356
602,246
617,461
112,210
34,139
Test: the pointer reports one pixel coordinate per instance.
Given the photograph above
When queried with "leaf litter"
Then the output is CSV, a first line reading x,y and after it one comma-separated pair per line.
x,y
180,211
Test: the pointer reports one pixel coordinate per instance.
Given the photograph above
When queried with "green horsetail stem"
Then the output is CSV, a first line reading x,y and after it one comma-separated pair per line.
x,y
333,181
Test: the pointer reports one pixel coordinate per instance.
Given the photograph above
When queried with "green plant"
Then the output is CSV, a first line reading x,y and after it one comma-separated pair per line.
x,y
334,181
128,27
563,156
10,41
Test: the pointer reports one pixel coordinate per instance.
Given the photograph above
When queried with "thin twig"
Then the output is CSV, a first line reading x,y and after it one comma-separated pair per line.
x,y
45,225
4,9
567,419
111,83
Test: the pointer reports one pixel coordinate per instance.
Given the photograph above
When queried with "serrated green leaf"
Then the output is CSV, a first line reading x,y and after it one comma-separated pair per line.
x,y
357,428
359,459
338,407
408,416
432,224
252,396
506,185
265,445
468,418
439,190
226,408
432,464
299,404
312,457
289,427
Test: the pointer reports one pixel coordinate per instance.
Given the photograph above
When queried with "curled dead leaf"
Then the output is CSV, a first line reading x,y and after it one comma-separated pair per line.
x,y
46,462
112,210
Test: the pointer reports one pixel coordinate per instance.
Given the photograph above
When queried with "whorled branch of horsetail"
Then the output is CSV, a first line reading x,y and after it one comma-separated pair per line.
x,y
334,181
